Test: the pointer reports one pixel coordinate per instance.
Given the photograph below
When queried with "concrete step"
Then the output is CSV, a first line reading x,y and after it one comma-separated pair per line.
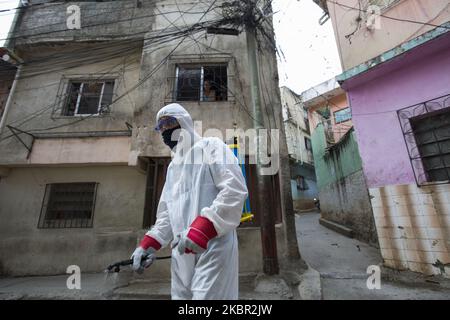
x,y
345,231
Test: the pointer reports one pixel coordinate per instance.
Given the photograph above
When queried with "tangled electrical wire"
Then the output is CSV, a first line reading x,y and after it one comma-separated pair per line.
x,y
235,14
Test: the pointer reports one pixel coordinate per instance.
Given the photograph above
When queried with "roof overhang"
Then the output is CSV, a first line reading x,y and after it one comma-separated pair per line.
x,y
346,78
321,93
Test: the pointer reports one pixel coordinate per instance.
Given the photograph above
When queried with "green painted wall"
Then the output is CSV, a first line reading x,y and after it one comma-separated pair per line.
x,y
339,162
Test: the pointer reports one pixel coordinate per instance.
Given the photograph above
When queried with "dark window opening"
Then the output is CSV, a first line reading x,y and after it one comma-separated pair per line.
x,y
201,83
68,205
308,144
88,97
343,115
432,135
301,183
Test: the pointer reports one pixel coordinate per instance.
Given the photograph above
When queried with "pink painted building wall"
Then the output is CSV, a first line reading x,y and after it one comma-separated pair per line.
x,y
375,96
413,222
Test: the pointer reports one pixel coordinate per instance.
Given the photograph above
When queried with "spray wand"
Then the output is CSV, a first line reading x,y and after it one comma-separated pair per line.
x,y
115,267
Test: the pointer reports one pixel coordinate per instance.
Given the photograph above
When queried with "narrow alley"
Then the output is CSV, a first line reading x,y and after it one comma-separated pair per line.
x,y
342,263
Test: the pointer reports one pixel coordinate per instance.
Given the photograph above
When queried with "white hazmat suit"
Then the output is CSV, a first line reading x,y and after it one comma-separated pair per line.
x,y
204,179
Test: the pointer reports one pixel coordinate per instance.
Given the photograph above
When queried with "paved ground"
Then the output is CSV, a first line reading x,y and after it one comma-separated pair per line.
x,y
93,286
98,286
343,262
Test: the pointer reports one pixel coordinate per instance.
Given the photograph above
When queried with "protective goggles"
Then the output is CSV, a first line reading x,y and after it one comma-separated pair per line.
x,y
166,123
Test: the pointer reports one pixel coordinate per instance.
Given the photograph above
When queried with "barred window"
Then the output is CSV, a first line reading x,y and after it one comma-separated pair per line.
x,y
201,83
426,129
88,97
68,205
432,134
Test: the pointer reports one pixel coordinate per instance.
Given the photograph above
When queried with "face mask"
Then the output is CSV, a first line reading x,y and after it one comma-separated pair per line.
x,y
167,137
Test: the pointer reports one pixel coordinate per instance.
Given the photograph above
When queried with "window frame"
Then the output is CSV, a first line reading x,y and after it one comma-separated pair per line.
x,y
201,66
46,223
60,104
341,110
80,93
414,123
412,113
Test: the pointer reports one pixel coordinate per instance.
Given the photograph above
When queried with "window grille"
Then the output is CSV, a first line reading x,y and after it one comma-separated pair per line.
x,y
201,83
68,205
426,129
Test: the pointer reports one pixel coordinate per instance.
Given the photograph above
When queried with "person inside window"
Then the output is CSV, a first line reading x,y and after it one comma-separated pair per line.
x,y
210,92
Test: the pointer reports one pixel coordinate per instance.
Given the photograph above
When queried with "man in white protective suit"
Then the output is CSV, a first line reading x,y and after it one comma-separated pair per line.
x,y
200,208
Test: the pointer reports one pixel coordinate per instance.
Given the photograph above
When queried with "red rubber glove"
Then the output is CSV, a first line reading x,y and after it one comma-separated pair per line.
x,y
195,239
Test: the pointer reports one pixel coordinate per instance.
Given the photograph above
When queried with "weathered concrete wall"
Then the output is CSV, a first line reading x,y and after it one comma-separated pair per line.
x,y
347,202
58,57
94,151
365,43
343,193
39,99
413,227
99,20
27,250
117,228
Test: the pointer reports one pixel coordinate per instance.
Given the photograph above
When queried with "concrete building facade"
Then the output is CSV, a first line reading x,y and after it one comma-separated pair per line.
x,y
81,167
296,124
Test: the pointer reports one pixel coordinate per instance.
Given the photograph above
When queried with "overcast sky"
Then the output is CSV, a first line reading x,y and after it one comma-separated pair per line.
x,y
310,53
6,17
